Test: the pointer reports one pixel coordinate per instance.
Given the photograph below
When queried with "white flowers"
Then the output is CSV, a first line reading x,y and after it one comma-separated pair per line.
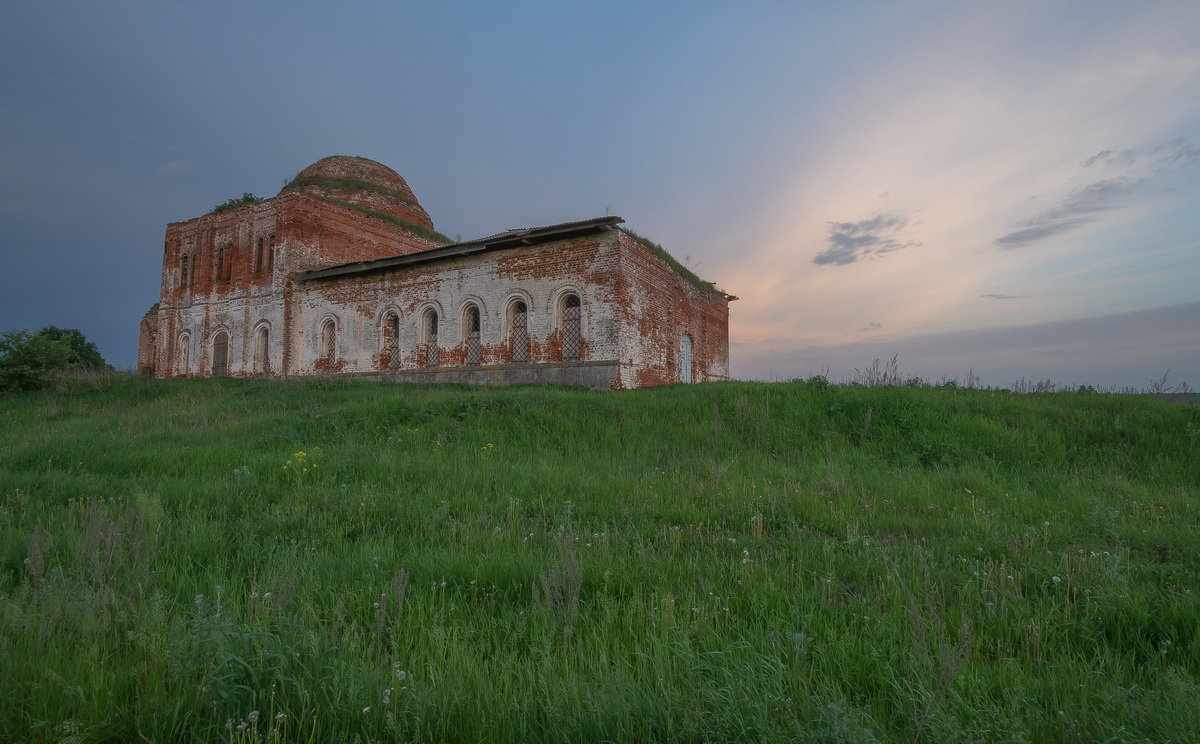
x,y
1056,579
367,710
253,717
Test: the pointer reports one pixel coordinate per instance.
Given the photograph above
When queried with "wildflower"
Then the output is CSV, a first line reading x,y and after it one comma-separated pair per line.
x,y
253,717
366,710
387,696
280,717
1056,579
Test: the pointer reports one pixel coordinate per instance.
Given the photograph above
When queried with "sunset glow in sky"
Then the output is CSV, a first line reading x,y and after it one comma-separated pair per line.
x,y
1010,188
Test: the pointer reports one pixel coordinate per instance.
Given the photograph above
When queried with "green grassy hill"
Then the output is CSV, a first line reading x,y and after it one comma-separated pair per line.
x,y
238,560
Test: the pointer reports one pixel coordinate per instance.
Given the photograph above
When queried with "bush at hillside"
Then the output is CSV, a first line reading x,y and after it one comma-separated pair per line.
x,y
28,360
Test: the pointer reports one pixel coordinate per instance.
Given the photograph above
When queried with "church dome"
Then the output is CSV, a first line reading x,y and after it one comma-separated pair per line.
x,y
363,183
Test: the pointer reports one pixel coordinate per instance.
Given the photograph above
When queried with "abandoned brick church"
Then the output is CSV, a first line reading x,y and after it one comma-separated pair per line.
x,y
342,273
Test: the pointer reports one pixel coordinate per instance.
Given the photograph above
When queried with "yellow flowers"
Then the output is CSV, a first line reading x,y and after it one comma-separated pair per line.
x,y
487,447
299,464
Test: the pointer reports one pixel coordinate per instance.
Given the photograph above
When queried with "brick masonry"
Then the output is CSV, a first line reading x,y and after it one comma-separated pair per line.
x,y
244,279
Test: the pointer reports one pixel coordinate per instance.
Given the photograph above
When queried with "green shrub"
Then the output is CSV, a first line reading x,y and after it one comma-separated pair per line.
x,y
234,203
28,360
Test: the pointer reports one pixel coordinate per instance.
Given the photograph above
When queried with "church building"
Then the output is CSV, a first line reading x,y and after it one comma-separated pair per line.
x,y
343,274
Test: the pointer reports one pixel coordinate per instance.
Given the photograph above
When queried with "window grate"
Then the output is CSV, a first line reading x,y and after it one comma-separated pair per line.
x,y
520,335
572,337
430,356
474,348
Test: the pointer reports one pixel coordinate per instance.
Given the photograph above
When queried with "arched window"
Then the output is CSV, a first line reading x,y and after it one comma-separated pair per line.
x,y
518,331
262,359
183,272
224,262
429,338
183,359
327,354
471,332
390,346
685,359
570,327
271,253
258,256
220,354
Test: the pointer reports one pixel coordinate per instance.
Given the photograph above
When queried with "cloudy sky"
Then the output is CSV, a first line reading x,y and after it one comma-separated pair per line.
x,y
1008,188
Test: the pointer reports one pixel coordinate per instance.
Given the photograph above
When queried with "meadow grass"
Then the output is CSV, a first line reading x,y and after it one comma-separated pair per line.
x,y
241,560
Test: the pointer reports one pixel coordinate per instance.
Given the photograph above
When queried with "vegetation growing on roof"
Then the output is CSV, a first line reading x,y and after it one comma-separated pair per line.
x,y
683,271
234,203
348,184
410,227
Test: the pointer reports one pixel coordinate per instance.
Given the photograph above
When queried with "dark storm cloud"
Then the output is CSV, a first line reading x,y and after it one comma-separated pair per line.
x,y
850,241
1074,211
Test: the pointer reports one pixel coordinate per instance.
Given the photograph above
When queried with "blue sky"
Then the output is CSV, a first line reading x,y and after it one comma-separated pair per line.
x,y
1008,188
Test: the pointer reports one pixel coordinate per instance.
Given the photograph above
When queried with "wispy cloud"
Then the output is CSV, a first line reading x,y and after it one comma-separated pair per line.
x,y
177,166
997,296
1074,211
1174,154
1080,206
1111,157
850,241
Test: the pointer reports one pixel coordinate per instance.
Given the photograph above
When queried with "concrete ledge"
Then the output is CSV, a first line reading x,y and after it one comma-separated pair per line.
x,y
595,375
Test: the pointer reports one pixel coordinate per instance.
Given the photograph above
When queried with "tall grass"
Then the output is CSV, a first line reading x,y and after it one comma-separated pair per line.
x,y
238,560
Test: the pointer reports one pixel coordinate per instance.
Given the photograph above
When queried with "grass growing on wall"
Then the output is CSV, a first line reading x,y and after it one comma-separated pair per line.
x,y
674,263
240,560
433,235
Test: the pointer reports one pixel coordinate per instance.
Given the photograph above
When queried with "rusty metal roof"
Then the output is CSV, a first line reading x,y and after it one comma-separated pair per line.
x,y
508,239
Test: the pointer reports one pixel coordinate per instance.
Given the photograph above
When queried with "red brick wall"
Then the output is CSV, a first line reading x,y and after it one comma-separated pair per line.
x,y
657,307
538,274
309,232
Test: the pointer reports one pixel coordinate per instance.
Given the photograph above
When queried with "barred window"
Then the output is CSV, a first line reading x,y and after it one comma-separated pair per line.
x,y
570,330
518,331
328,350
429,338
471,331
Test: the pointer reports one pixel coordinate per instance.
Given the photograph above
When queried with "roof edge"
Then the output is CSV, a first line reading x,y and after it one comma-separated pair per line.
x,y
500,241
